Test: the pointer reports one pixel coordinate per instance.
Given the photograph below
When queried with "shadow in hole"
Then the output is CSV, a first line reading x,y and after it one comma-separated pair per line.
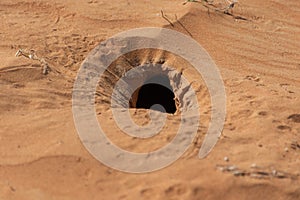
x,y
157,90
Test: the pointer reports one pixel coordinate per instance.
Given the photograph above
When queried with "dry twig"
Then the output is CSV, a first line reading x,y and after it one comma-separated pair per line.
x,y
172,24
31,55
228,10
165,17
257,172
183,26
196,1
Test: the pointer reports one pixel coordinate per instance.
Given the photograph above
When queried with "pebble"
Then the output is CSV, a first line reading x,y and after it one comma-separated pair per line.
x,y
253,165
231,168
226,159
286,149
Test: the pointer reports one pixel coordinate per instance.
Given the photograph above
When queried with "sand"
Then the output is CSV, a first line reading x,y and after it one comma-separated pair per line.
x,y
42,157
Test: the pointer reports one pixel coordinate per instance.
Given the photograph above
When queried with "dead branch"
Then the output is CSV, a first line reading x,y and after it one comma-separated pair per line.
x,y
228,9
183,26
31,55
164,16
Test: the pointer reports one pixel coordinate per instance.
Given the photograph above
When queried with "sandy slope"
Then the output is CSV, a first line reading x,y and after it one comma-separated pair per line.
x,y
41,156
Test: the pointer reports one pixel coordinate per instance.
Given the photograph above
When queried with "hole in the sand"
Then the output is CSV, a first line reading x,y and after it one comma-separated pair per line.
x,y
155,91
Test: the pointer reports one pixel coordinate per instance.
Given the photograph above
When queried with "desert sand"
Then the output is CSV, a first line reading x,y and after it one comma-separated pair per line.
x,y
257,53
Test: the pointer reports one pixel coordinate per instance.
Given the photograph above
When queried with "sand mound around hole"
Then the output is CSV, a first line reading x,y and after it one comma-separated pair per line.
x,y
127,88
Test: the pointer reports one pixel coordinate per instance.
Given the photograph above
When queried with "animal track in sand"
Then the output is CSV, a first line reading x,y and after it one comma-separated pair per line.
x,y
245,113
147,193
294,118
263,113
21,73
284,128
176,190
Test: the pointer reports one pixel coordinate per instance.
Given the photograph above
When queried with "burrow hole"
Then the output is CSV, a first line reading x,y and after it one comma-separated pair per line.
x,y
156,90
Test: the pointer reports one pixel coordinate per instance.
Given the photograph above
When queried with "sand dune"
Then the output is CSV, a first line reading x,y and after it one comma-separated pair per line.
x,y
41,155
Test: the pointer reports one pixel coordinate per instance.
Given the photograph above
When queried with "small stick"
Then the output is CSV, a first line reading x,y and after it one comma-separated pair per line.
x,y
206,3
183,26
190,1
31,55
196,1
163,16
229,7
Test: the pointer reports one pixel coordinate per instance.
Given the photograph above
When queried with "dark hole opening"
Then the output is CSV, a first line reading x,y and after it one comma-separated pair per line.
x,y
161,93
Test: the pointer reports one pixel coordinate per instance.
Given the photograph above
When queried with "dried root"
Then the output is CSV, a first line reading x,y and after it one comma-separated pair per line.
x,y
230,7
31,55
196,1
257,172
211,5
